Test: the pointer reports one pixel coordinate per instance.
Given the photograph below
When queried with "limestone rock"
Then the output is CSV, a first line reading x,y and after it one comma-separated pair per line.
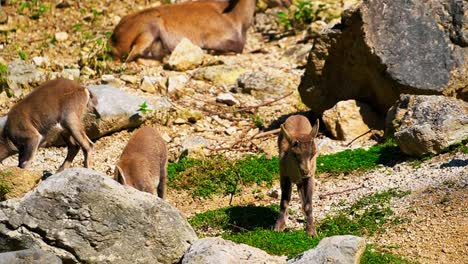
x,y
72,74
263,84
117,110
176,83
185,56
388,47
23,76
19,181
219,74
336,249
83,216
350,119
226,98
29,256
426,124
61,36
214,250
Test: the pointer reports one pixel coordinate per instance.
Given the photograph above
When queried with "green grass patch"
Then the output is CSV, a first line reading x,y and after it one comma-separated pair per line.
x,y
218,175
252,225
373,256
4,190
221,176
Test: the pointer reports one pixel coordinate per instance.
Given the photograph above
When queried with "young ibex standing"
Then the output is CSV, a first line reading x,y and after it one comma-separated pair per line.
x,y
143,163
298,154
210,24
59,103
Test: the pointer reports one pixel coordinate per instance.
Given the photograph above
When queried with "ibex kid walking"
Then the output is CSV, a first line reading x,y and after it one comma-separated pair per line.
x,y
297,153
60,103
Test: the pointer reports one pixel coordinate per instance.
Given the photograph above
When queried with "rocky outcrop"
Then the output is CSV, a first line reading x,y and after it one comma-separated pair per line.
x,y
214,250
186,56
86,217
23,76
388,47
336,249
350,119
425,124
17,182
29,256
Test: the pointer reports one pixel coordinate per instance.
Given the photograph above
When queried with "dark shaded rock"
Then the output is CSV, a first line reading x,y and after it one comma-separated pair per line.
x,y
29,256
426,124
85,217
385,48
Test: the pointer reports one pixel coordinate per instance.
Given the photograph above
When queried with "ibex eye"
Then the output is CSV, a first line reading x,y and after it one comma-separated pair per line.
x,y
295,143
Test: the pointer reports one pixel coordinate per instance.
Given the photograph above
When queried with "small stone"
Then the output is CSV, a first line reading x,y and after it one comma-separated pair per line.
x,y
111,80
166,137
41,61
230,130
88,71
149,83
61,36
273,193
176,82
226,98
72,74
219,74
180,121
129,78
186,56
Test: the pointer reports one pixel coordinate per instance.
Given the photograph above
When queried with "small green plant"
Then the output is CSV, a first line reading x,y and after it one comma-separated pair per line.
x,y
300,14
4,190
22,55
258,121
33,8
3,77
99,56
144,108
374,256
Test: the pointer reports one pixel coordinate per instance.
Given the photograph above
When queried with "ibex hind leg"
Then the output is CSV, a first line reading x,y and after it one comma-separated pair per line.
x,y
286,189
72,150
162,180
76,129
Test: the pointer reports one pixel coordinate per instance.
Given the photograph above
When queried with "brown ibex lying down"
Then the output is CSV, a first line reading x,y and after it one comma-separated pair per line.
x,y
143,163
60,103
298,154
220,26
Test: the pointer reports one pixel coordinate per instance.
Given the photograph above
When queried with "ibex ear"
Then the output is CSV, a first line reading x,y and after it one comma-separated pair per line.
x,y
315,129
119,175
285,133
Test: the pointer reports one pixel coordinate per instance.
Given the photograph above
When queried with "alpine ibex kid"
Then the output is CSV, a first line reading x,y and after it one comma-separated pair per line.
x,y
59,103
143,163
154,32
298,154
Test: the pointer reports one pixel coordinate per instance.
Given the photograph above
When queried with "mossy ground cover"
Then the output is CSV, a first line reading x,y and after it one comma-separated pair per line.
x,y
252,225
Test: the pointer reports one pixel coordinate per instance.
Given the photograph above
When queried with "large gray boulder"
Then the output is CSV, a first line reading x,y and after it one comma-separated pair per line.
x,y
387,47
336,249
23,76
85,217
215,250
425,124
29,256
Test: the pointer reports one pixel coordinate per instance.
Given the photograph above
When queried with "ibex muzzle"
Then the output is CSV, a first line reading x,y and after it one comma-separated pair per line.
x,y
297,153
143,163
59,103
219,26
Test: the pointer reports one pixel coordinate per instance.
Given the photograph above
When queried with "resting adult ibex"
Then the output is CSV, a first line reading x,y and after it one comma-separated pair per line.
x,y
298,154
143,163
220,26
60,103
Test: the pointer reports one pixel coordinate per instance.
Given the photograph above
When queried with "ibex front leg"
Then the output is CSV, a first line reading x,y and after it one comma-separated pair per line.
x,y
306,189
285,198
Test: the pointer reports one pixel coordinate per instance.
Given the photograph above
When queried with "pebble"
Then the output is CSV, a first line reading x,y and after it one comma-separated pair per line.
x,y
130,78
230,130
61,36
227,98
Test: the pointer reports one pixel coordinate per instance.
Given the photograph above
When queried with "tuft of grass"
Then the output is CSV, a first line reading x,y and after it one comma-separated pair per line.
x,y
4,190
300,14
252,225
3,77
387,153
221,176
373,256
